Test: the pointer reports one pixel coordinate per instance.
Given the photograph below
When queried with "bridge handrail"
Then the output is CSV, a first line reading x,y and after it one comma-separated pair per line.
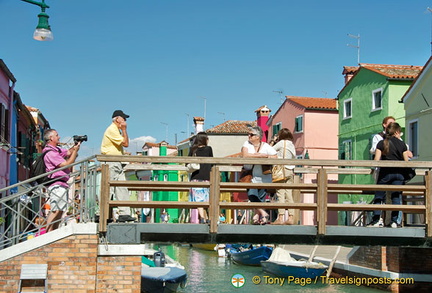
x,y
22,203
322,186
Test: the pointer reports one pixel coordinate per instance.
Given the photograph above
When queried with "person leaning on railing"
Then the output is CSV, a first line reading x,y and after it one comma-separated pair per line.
x,y
115,138
283,145
254,147
392,148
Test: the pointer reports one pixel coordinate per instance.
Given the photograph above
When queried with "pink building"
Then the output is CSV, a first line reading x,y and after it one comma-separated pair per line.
x,y
314,124
7,84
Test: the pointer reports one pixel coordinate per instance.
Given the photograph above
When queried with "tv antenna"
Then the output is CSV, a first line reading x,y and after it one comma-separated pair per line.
x,y
430,10
222,113
280,92
358,45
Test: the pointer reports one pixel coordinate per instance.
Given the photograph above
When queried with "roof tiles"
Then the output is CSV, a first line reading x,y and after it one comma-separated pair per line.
x,y
314,103
391,71
232,127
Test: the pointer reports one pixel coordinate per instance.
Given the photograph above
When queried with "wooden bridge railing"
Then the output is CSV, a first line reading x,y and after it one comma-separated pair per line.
x,y
321,186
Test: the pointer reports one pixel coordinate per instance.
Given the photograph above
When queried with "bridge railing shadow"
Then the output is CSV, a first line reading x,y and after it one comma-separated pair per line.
x,y
321,186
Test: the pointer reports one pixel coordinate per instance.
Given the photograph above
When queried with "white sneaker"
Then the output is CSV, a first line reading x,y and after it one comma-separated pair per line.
x,y
378,223
394,225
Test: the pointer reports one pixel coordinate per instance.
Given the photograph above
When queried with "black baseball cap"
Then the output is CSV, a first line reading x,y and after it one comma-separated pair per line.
x,y
119,113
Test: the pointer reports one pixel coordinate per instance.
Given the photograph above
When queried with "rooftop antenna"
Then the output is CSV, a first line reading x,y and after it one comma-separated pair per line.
x,y
166,131
187,123
358,45
205,105
222,113
325,94
280,92
430,10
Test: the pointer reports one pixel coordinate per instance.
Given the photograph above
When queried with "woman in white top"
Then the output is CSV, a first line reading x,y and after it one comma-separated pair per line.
x,y
256,148
285,150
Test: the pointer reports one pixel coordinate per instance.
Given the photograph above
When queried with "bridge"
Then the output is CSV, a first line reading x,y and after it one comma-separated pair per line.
x,y
321,233
20,208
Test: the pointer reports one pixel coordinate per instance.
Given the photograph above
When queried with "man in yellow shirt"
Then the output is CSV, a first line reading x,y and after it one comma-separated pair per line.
x,y
113,141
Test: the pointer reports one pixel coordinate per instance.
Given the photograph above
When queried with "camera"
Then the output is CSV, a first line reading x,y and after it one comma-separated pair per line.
x,y
79,138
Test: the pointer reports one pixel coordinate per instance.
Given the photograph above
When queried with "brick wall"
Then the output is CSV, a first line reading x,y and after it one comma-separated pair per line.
x,y
367,256
409,260
74,266
119,274
414,260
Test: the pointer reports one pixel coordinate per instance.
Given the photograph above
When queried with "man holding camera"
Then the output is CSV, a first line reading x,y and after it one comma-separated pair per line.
x,y
58,190
113,141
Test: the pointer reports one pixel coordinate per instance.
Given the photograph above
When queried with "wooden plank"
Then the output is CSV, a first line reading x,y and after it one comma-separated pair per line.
x,y
428,203
149,167
374,187
371,207
104,198
214,199
158,204
222,205
241,161
267,205
138,183
322,197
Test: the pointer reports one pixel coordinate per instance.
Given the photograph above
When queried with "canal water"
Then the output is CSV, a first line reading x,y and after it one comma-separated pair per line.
x,y
209,273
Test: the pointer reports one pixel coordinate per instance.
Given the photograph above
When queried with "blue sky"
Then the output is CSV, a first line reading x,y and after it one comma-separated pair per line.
x,y
162,61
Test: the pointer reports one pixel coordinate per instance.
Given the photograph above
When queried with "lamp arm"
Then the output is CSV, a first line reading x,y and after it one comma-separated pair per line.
x,y
42,4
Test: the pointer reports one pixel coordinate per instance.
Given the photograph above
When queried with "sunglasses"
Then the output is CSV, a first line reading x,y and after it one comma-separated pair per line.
x,y
252,134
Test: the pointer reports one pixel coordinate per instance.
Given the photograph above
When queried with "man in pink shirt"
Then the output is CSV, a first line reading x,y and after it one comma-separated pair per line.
x,y
58,190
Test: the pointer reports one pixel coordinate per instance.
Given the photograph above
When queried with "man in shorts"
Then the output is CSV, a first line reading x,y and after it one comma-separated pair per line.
x,y
58,189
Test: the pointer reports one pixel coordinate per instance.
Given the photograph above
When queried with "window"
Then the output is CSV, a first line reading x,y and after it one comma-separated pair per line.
x,y
276,128
413,137
377,99
299,124
346,153
347,110
4,124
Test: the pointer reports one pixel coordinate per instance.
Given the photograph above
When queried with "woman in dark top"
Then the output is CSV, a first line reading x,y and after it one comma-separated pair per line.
x,y
392,148
200,194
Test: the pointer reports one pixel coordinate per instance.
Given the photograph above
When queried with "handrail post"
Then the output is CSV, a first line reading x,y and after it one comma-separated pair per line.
x,y
214,199
104,198
322,198
428,204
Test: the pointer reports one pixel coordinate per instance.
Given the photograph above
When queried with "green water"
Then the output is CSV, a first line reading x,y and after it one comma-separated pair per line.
x,y
209,273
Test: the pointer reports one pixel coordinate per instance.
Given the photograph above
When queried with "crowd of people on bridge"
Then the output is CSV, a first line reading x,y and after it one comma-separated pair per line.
x,y
386,145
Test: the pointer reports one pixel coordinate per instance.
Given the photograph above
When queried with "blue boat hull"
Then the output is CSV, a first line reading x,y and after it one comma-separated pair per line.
x,y
296,269
162,279
252,257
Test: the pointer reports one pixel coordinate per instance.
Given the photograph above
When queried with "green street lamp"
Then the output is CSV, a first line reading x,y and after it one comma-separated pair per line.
x,y
43,29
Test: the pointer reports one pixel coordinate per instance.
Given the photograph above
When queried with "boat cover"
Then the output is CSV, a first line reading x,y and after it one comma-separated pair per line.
x,y
281,255
165,274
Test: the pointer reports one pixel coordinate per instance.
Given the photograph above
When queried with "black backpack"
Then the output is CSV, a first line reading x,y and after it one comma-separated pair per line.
x,y
38,168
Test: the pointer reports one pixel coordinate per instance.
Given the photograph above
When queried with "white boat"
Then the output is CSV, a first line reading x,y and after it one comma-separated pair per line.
x,y
281,264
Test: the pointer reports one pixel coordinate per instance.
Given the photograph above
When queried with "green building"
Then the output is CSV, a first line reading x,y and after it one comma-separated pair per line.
x,y
371,92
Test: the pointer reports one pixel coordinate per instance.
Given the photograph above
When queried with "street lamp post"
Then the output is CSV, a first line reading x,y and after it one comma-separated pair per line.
x,y
43,29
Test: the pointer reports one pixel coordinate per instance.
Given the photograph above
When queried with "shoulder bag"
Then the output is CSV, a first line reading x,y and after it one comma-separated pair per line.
x,y
278,171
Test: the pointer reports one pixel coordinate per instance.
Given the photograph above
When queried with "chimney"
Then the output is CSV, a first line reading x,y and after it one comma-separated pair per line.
x,y
263,114
199,124
349,72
